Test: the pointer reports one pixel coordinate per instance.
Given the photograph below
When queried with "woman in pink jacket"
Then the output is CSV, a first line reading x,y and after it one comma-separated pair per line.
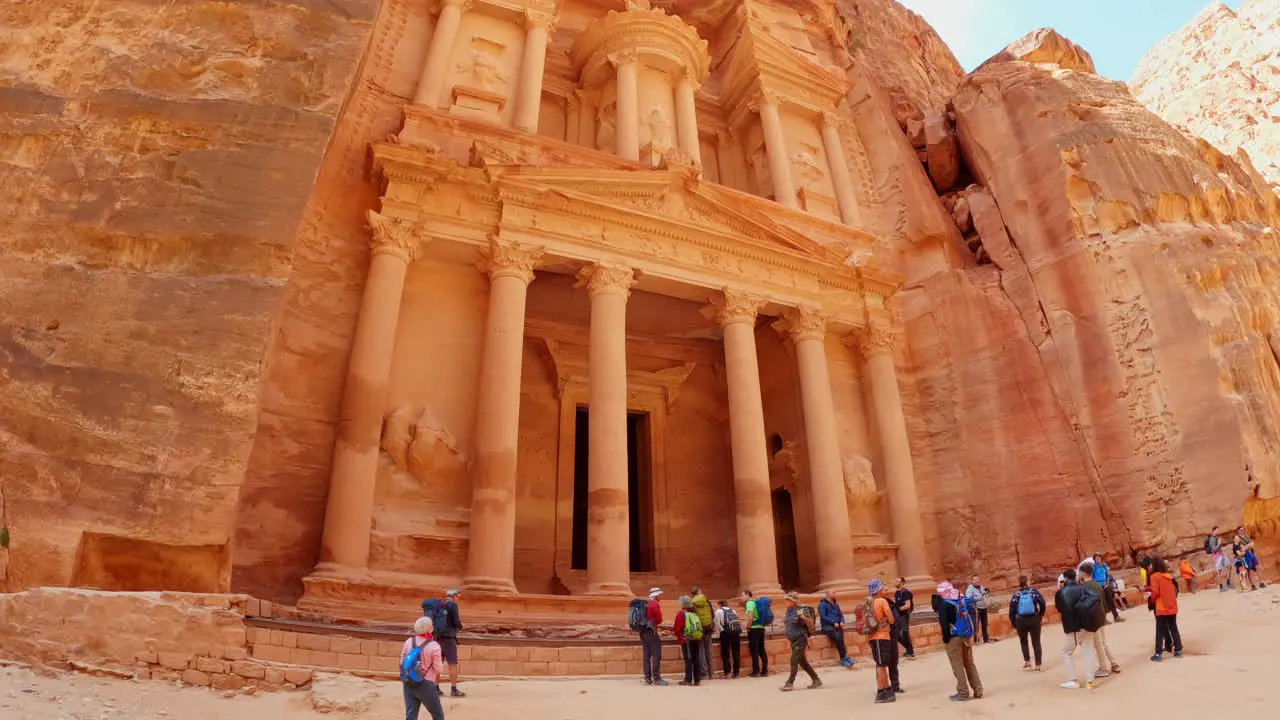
x,y
430,662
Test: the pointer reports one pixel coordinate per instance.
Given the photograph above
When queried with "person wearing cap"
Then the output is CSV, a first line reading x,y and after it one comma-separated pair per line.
x,y
884,646
650,642
798,629
448,624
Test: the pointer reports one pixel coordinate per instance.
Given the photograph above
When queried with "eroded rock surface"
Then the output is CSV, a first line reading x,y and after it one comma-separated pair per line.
x,y
1219,78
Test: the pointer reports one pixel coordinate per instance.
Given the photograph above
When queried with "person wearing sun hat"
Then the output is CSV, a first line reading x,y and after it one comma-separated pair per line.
x,y
651,642
884,649
799,627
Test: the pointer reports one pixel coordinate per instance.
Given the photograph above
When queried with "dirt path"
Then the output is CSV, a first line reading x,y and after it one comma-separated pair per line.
x,y
1232,657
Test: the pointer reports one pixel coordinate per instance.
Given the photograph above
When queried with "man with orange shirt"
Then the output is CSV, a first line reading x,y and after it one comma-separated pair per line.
x,y
1188,575
884,649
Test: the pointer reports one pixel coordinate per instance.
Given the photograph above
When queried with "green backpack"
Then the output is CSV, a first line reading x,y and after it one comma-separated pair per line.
x,y
692,626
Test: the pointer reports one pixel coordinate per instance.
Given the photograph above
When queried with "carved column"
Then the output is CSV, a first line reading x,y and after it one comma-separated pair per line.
x,y
687,118
431,81
586,119
807,328
535,56
775,145
349,508
627,133
876,344
608,530
757,558
492,546
840,178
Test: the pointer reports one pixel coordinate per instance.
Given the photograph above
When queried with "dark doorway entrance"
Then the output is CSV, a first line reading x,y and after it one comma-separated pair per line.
x,y
639,490
784,532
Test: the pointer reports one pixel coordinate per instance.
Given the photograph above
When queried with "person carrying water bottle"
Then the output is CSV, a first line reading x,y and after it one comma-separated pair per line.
x,y
1026,612
420,665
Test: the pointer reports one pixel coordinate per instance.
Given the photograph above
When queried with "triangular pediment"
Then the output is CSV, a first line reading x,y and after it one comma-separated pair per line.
x,y
663,196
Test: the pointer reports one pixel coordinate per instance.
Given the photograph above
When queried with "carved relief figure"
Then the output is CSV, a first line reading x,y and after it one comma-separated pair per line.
x,y
419,444
659,128
483,71
807,170
760,173
861,493
605,130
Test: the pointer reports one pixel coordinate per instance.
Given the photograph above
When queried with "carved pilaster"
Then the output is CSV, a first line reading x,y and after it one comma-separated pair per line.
x,y
803,323
508,259
734,307
875,339
393,236
601,279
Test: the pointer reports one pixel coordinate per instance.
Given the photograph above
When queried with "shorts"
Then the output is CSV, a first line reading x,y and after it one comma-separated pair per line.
x,y
884,652
1220,561
448,649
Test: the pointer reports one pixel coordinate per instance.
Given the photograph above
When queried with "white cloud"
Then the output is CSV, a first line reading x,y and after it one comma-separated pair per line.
x,y
955,21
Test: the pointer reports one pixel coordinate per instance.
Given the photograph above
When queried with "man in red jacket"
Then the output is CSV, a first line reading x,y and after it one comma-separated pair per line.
x,y
651,643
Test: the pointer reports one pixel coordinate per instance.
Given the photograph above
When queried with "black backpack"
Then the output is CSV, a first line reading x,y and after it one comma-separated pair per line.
x,y
1086,608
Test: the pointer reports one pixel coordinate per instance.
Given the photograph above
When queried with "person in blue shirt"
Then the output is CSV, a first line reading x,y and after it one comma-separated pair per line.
x,y
832,618
1102,576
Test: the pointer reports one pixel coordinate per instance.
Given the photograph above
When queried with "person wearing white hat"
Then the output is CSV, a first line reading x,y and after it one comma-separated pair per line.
x,y
650,642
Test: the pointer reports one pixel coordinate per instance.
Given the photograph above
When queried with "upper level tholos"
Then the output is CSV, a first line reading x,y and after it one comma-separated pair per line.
x,y
736,89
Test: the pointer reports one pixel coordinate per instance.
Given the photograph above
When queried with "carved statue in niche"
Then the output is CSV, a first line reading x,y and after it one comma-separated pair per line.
x,y
808,172
659,128
420,445
760,172
483,71
861,494
606,127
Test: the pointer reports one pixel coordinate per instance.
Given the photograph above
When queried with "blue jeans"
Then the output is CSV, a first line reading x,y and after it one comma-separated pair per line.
x,y
424,694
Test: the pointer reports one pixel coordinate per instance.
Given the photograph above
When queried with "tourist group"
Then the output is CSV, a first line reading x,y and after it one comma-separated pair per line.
x,y
1086,595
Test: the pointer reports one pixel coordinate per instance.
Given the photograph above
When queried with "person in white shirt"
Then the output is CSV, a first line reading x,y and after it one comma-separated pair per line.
x,y
728,628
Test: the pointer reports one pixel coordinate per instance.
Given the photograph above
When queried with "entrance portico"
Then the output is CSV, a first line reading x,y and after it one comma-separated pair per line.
x,y
662,233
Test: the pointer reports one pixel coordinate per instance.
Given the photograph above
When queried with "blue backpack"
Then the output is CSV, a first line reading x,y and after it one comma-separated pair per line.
x,y
411,666
963,626
1026,602
764,611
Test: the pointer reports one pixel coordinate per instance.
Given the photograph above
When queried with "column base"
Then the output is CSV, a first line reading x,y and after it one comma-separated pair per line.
x,y
338,571
610,589
766,589
842,586
489,586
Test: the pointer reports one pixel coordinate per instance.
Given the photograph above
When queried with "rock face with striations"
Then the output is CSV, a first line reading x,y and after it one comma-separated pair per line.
x,y
1111,382
1219,78
155,161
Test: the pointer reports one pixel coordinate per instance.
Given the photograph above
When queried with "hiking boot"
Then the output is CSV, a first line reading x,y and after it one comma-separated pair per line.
x,y
788,687
885,696
1157,657
959,698
815,684
455,692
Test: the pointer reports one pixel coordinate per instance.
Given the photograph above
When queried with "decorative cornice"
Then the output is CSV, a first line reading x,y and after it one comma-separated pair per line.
x,y
393,236
875,339
803,323
732,306
509,259
601,279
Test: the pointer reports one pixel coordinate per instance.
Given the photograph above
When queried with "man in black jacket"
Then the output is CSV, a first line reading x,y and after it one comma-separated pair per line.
x,y
448,623
1067,601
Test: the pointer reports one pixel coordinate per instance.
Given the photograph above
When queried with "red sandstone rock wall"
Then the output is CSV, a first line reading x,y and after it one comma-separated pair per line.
x,y
1219,77
1111,382
155,161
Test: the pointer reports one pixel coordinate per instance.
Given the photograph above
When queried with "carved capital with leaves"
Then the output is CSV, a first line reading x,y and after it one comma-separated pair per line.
x,y
601,279
504,258
875,339
393,236
734,307
803,323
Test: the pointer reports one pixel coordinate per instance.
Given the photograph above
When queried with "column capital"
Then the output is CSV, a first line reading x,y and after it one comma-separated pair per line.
x,y
762,97
539,19
463,5
393,236
803,323
832,120
622,57
874,339
504,258
732,306
600,279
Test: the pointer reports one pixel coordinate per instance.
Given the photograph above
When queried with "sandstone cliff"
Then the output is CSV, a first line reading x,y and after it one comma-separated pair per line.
x,y
1219,78
155,160
1110,382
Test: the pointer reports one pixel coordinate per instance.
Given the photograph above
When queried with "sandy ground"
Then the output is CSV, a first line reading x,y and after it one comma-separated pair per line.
x,y
1232,657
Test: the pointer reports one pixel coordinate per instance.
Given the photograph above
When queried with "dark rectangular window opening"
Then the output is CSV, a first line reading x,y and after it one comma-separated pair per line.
x,y
639,491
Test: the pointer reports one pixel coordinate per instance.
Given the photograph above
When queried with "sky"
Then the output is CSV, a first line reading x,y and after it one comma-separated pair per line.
x,y
1117,33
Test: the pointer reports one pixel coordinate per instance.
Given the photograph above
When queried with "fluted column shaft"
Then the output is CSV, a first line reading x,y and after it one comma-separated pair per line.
x,y
687,118
608,519
876,344
775,145
529,102
757,557
807,328
840,179
349,507
627,134
431,81
492,545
